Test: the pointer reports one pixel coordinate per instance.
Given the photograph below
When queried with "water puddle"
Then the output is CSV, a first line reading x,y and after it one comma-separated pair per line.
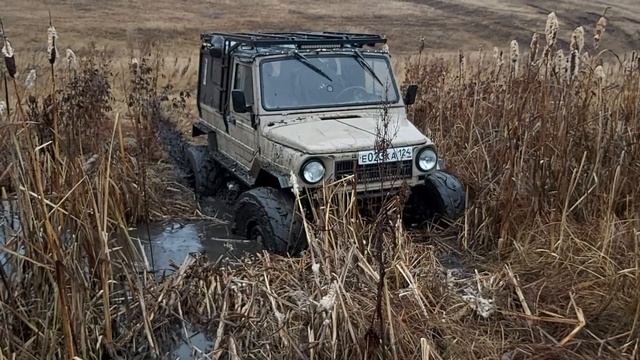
x,y
9,224
196,345
167,244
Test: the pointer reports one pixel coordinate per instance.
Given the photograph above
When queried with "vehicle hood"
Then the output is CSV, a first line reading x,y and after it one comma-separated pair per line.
x,y
321,136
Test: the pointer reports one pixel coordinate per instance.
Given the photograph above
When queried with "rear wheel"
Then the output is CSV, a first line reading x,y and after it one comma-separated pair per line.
x,y
206,172
268,215
442,197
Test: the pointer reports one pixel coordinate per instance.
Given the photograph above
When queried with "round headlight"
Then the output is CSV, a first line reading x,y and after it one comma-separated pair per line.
x,y
427,159
313,171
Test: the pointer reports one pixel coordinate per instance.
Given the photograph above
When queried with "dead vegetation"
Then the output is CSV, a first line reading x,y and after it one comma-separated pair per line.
x,y
549,248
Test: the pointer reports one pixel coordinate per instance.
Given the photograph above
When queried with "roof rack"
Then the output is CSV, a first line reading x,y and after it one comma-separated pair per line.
x,y
299,39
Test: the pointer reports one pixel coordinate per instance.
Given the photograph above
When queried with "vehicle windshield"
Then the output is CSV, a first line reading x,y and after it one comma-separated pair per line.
x,y
308,81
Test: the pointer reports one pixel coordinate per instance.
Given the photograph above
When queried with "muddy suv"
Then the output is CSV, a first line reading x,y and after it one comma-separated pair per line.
x,y
303,109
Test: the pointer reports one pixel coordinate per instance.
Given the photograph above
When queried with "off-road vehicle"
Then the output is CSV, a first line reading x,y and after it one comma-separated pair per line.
x,y
306,108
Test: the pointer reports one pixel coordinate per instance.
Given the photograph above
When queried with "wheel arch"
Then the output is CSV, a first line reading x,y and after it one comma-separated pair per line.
x,y
267,176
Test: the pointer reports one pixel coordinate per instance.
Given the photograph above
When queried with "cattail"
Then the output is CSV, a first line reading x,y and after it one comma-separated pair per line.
x,y
560,63
9,59
551,29
599,73
634,62
72,61
52,49
515,55
30,81
533,47
462,66
573,65
601,25
497,55
577,39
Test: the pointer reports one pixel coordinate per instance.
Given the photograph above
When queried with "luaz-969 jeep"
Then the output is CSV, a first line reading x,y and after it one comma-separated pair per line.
x,y
308,105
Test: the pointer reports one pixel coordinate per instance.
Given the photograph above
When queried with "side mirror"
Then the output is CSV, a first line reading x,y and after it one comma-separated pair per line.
x,y
239,102
410,94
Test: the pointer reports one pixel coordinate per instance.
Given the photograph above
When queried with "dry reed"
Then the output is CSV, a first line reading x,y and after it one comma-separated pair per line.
x,y
546,261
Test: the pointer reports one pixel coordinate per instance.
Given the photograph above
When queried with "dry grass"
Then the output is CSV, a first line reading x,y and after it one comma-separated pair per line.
x,y
548,250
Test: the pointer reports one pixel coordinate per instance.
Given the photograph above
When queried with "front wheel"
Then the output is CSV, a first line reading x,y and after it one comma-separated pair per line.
x,y
441,197
268,215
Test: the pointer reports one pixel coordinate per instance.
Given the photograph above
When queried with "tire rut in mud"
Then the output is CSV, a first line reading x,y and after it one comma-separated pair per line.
x,y
176,145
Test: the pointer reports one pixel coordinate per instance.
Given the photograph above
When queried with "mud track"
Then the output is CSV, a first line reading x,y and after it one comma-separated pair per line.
x,y
175,145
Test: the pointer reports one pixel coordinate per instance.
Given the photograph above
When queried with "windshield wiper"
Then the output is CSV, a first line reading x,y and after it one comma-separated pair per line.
x,y
363,62
308,63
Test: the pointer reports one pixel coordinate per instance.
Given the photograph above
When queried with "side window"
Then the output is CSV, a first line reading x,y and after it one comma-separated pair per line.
x,y
210,81
244,81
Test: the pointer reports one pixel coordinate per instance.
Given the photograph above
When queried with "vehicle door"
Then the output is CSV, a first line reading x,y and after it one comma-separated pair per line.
x,y
243,133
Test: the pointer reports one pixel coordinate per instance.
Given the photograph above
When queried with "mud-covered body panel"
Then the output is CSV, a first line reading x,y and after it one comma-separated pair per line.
x,y
281,141
314,135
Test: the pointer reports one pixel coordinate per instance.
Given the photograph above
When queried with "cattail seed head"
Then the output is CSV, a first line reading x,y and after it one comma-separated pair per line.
x,y
462,62
497,54
599,73
633,63
577,39
9,59
551,29
601,25
30,81
573,65
52,49
515,51
560,63
72,60
535,39
515,56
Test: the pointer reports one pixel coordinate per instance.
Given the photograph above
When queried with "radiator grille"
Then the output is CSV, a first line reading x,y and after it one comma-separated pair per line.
x,y
374,172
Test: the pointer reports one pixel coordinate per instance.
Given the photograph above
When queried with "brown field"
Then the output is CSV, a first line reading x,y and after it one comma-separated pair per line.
x,y
445,25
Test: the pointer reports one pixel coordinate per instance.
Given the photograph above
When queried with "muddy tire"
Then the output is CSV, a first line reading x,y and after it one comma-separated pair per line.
x,y
442,197
267,215
206,172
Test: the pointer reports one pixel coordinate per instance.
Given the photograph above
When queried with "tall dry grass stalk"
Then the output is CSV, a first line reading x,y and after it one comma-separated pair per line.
x,y
533,48
550,167
71,269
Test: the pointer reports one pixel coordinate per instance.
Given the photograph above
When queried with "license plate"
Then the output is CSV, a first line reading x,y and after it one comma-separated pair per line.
x,y
393,154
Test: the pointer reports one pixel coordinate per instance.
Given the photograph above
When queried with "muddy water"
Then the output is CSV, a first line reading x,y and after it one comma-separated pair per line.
x,y
8,224
196,345
167,244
